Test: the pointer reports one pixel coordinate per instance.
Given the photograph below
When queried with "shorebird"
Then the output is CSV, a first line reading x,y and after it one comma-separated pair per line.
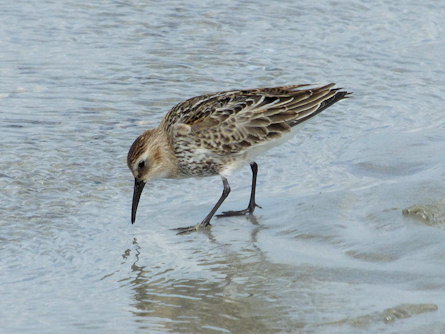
x,y
215,134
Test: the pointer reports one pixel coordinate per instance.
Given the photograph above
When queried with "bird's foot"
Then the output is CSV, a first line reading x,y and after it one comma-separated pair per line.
x,y
249,211
193,228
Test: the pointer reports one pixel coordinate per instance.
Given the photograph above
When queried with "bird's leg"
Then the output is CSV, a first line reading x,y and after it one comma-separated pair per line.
x,y
252,204
206,222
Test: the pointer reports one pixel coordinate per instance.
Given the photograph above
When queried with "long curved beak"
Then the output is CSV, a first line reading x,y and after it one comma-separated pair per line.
x,y
138,187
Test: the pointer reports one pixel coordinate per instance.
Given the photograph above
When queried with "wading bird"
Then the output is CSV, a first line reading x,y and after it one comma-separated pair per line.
x,y
215,134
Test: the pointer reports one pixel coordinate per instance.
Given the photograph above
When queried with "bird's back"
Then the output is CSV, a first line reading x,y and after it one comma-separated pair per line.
x,y
234,121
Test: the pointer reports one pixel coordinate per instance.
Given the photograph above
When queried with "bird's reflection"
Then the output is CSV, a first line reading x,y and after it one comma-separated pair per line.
x,y
224,290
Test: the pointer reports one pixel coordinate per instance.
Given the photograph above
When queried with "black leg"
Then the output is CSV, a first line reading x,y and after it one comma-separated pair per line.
x,y
206,222
252,204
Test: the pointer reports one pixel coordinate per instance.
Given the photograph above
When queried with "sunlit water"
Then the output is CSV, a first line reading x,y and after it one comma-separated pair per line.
x,y
330,252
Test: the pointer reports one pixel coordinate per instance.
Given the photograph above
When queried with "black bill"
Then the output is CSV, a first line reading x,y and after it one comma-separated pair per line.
x,y
138,187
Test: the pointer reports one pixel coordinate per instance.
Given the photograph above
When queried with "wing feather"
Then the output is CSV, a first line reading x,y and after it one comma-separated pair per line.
x,y
233,121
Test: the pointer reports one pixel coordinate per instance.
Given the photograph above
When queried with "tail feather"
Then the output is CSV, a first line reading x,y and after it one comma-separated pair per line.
x,y
339,95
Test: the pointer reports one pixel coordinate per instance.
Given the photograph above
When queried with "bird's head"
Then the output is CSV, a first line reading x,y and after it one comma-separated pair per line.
x,y
147,159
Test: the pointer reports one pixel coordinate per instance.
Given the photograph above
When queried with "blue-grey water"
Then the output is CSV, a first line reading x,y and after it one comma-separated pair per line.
x,y
330,252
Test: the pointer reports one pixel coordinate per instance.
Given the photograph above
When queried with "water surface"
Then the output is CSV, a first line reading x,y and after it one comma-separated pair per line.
x,y
330,252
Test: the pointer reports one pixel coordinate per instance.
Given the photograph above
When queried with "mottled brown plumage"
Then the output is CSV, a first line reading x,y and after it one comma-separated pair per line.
x,y
217,133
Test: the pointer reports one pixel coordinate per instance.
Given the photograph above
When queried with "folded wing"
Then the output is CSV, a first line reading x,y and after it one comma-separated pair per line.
x,y
234,121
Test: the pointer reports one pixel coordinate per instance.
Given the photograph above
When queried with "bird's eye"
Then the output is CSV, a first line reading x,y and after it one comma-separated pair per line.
x,y
141,164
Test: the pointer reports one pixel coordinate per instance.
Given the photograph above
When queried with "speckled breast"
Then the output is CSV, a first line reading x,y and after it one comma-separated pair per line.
x,y
196,161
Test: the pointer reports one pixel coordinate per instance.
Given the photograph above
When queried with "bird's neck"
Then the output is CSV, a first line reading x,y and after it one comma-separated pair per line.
x,y
164,154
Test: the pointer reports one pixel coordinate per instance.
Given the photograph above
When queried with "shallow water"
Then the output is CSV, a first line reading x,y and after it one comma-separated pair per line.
x,y
330,252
